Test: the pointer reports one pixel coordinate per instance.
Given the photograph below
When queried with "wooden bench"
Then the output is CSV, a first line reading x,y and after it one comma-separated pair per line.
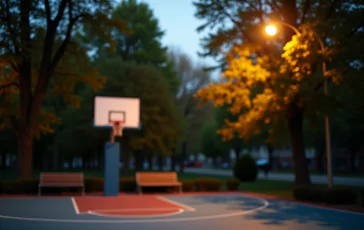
x,y
157,179
58,179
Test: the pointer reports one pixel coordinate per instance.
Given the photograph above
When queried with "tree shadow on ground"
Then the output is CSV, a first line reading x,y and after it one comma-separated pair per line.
x,y
280,213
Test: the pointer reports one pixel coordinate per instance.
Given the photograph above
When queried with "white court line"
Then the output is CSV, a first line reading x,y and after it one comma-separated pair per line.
x,y
297,203
97,213
169,220
75,205
134,209
185,207
322,207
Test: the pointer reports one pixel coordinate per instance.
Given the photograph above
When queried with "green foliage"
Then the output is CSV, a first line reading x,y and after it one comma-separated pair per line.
x,y
340,196
191,78
127,184
232,184
141,42
187,185
246,169
94,184
207,184
311,194
211,144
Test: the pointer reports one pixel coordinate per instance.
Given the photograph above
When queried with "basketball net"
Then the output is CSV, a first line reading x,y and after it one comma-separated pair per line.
x,y
117,129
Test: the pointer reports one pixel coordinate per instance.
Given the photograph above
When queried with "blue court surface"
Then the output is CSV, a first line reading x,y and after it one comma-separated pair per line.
x,y
213,212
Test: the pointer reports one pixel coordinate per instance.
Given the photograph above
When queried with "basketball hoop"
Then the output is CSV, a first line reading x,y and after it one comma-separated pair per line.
x,y
117,129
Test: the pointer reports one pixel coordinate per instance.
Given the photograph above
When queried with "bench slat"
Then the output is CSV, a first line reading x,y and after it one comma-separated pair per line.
x,y
55,179
157,179
61,185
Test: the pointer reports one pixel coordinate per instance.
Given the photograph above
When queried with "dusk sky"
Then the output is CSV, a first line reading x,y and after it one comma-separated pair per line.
x,y
176,18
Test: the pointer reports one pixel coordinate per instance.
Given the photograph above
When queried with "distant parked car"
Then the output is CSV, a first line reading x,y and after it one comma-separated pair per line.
x,y
193,164
263,164
225,165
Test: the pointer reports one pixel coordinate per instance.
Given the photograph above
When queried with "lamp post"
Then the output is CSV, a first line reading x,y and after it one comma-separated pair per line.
x,y
272,30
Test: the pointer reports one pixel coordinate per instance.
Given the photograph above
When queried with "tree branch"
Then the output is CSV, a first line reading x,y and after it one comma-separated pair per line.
x,y
9,85
60,12
306,8
48,11
356,29
11,31
331,9
61,50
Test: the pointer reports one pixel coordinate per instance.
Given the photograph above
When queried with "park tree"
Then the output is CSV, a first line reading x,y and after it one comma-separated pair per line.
x,y
236,144
141,42
211,143
192,77
260,84
36,36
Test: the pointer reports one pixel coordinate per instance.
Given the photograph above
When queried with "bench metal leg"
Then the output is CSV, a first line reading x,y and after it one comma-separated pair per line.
x,y
39,188
83,190
139,190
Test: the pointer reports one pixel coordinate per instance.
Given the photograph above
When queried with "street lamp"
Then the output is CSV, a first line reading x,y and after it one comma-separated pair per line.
x,y
272,30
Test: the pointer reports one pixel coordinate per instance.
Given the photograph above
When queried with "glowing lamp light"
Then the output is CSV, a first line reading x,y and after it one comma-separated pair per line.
x,y
271,30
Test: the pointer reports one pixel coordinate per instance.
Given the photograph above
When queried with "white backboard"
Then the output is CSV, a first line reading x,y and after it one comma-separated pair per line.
x,y
116,108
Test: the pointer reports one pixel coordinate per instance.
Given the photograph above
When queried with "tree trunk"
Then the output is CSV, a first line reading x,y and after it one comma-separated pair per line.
x,y
270,157
150,161
160,162
138,160
352,161
320,160
100,156
126,161
295,122
3,160
237,152
25,153
183,156
173,160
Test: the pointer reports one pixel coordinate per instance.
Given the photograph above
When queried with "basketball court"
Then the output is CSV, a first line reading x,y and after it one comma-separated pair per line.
x,y
178,212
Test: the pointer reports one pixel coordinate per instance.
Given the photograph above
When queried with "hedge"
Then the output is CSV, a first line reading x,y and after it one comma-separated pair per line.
x,y
340,196
188,186
127,184
335,196
232,184
309,194
246,169
207,184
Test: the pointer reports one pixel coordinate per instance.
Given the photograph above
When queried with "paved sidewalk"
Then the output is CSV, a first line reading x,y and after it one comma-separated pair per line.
x,y
317,179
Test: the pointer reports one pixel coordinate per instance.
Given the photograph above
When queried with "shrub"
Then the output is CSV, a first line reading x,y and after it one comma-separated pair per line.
x,y
10,187
309,194
232,184
340,196
127,184
29,186
187,185
94,184
246,169
207,184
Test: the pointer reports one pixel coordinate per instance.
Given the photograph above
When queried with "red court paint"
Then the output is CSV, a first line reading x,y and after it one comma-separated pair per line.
x,y
128,205
137,213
